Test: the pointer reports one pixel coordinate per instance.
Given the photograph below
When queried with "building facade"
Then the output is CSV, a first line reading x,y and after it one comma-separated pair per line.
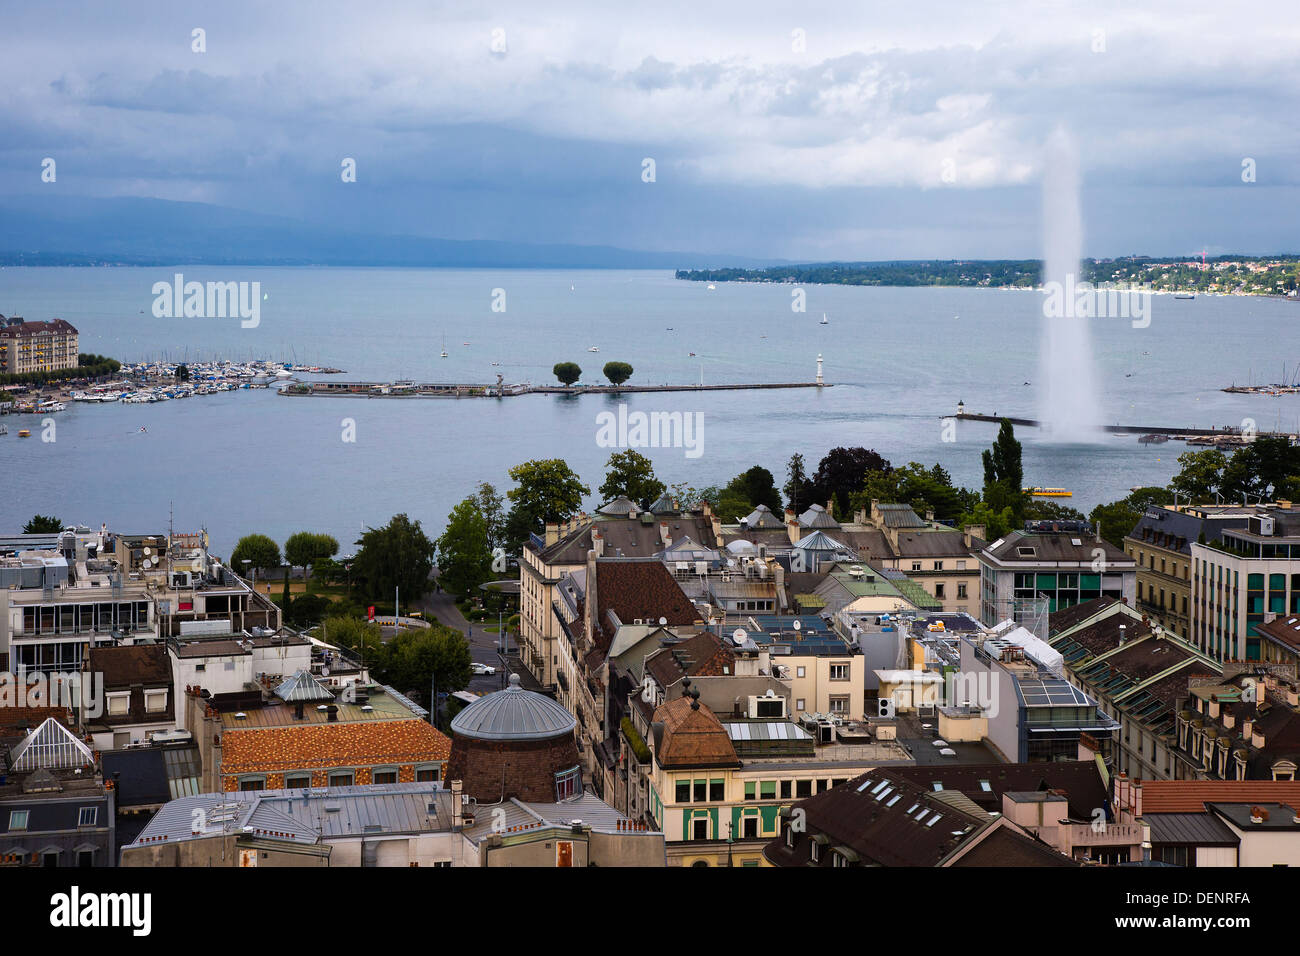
x,y
36,346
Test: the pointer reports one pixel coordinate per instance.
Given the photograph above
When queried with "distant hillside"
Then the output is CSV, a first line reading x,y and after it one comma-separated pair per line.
x,y
38,231
1262,275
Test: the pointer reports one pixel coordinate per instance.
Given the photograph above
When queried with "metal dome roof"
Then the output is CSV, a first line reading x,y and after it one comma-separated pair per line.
x,y
513,714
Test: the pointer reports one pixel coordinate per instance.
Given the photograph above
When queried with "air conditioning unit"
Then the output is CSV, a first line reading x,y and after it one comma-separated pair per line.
x,y
181,579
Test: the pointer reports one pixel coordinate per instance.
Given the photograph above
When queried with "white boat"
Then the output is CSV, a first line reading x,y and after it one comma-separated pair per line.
x,y
712,286
593,349
824,321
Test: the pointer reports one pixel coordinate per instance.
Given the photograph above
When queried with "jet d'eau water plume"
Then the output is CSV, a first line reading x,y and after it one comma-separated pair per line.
x,y
1068,406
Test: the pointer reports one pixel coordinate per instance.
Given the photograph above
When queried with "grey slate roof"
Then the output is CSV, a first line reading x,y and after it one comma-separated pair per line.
x,y
899,516
762,517
820,541
817,517
620,507
1202,829
513,714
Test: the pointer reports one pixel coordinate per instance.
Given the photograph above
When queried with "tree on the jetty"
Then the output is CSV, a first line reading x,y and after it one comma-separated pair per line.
x,y
617,372
567,372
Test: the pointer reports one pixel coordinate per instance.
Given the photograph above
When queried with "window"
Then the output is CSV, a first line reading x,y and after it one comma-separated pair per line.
x,y
683,791
916,565
87,816
292,781
85,858
803,788
839,671
155,701
839,706
384,776
749,828
700,828
961,565
961,590
938,592
938,565
426,774
568,783
716,791
341,778
801,672
701,793
254,783
119,704
767,790
17,820
799,704
749,790
785,789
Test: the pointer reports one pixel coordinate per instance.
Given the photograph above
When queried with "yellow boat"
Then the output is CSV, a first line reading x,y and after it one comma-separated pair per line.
x,y
1048,492
24,433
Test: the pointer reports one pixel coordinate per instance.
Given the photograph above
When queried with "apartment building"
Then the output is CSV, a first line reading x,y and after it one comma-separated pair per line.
x,y
1248,577
37,346
1161,544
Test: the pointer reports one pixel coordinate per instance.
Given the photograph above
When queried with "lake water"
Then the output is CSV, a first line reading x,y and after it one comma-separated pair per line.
x,y
899,359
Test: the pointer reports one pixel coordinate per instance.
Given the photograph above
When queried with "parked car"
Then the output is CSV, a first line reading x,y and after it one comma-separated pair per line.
x,y
481,669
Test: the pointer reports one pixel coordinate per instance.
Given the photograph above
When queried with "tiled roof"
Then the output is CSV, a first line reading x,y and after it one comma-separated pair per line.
x,y
1284,629
702,655
638,589
691,737
123,666
1191,796
262,750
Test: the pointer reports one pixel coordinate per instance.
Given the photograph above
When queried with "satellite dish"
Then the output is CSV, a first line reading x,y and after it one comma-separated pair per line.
x,y
798,625
739,635
324,672
148,551
196,565
663,621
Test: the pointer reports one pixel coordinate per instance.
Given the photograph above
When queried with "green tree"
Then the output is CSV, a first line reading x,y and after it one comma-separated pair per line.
x,y
182,373
548,490
756,486
798,486
617,372
304,548
398,555
464,552
1044,509
43,524
632,475
1115,520
841,474
352,633
260,551
1268,467
415,659
1004,474
567,372
492,507
996,523
1200,474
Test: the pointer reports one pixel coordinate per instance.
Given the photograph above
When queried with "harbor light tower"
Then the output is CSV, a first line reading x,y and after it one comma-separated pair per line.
x,y
961,408
819,368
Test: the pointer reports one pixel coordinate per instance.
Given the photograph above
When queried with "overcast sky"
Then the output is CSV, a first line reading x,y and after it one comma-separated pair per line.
x,y
850,130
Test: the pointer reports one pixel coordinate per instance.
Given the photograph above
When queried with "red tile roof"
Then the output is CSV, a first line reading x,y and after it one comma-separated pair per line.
x,y
1190,796
692,737
352,744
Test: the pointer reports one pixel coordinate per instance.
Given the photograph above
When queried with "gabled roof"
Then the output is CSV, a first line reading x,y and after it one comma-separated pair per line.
x,y
893,515
687,734
1191,796
705,654
633,590
51,746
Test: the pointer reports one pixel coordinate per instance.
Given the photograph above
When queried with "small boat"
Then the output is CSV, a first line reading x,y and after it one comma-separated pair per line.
x,y
1153,439
444,353
824,321
24,433
712,287
1184,295
1048,492
593,349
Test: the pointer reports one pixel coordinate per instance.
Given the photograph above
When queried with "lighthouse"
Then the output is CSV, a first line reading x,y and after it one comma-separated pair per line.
x,y
961,408
819,369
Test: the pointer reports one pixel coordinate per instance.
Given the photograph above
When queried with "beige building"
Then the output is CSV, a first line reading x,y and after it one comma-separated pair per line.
x,y
36,346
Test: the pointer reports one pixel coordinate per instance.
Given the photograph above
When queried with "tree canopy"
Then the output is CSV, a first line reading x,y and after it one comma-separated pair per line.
x,y
548,490
1004,474
567,372
43,524
632,475
260,551
397,555
464,549
841,474
617,372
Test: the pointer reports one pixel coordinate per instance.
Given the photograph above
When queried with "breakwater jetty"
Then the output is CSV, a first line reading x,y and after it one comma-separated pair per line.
x,y
502,390
1218,435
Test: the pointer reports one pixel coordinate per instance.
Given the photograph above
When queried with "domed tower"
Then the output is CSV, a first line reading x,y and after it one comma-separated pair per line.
x,y
515,743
